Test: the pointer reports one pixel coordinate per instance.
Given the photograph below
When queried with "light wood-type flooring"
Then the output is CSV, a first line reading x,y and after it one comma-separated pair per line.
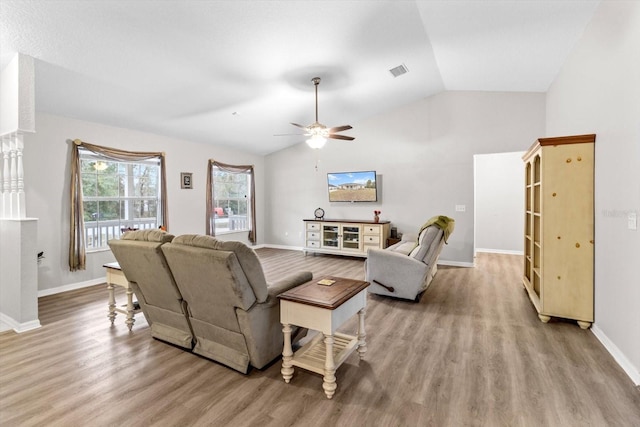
x,y
472,352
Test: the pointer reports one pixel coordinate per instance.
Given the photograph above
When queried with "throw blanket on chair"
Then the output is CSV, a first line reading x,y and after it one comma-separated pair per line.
x,y
443,222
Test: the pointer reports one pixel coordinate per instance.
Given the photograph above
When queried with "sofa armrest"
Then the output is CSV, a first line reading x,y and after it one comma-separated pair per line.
x,y
379,260
276,288
261,325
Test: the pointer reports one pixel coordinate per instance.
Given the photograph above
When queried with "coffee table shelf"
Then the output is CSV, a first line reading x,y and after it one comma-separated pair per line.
x,y
312,355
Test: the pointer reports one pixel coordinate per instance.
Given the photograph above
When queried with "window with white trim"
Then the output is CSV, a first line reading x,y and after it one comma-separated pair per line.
x,y
231,201
118,196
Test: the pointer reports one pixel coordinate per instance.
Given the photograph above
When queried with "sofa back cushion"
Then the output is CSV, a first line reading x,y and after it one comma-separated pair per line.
x,y
142,261
150,235
246,257
428,242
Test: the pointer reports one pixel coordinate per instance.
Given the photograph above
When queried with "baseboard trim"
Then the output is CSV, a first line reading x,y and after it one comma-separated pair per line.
x,y
456,263
499,251
440,262
285,247
93,282
71,287
618,356
7,323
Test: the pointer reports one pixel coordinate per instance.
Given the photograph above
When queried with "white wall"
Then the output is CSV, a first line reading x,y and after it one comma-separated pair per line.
x,y
423,154
598,91
47,159
499,202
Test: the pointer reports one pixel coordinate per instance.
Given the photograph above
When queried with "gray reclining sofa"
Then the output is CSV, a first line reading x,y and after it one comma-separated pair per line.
x,y
221,305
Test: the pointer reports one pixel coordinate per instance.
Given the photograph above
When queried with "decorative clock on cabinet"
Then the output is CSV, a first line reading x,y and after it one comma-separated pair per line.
x,y
319,213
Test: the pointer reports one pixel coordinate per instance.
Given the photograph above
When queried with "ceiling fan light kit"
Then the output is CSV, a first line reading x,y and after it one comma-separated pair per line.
x,y
319,133
316,141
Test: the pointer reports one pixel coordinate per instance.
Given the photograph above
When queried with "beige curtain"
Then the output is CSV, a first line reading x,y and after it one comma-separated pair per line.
x,y
211,229
77,254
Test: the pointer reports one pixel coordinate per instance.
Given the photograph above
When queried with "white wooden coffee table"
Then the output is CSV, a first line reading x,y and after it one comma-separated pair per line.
x,y
115,276
324,309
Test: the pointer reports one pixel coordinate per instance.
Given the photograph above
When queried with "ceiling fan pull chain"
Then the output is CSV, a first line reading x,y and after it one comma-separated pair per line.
x,y
316,82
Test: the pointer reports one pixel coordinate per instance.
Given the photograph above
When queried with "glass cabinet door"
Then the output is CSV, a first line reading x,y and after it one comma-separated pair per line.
x,y
330,235
351,237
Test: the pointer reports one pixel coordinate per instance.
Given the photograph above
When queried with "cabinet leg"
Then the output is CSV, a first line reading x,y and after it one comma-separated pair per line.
x,y
362,343
329,381
112,303
287,354
584,325
544,318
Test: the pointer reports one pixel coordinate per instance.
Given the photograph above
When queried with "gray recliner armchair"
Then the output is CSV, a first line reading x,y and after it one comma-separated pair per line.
x,y
143,263
234,312
406,269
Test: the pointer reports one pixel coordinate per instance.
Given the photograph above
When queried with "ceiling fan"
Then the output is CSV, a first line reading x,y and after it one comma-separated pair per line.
x,y
317,132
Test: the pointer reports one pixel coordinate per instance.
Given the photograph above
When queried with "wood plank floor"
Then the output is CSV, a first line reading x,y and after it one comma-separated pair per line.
x,y
472,352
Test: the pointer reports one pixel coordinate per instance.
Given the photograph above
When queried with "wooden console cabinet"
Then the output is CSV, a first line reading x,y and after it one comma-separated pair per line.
x,y
345,237
559,227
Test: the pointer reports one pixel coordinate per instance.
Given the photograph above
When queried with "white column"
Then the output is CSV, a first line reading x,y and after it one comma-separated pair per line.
x,y
5,184
12,184
18,208
19,274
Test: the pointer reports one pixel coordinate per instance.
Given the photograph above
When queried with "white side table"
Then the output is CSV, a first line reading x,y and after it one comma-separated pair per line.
x,y
323,308
115,276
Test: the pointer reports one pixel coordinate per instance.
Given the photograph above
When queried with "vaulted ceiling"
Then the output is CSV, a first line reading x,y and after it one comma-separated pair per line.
x,y
236,73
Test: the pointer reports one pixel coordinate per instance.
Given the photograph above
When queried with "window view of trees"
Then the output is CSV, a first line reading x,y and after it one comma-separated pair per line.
x,y
231,200
118,195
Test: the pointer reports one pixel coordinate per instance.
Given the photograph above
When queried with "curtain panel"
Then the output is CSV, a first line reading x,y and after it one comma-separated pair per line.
x,y
77,252
210,226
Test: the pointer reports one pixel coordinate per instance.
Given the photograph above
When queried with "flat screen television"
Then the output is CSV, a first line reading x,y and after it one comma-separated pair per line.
x,y
352,186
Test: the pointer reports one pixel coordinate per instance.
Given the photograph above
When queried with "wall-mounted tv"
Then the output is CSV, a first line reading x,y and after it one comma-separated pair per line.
x,y
352,186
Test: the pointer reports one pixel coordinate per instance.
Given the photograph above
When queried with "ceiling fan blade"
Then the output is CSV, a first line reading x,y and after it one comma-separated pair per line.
x,y
339,128
300,126
346,138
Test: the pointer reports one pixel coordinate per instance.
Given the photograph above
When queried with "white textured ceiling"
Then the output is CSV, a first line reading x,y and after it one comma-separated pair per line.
x,y
237,72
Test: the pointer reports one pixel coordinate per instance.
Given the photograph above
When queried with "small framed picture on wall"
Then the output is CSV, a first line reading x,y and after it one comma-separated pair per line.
x,y
186,180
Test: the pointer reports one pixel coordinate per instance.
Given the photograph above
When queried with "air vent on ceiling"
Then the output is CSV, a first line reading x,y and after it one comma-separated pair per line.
x,y
399,70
